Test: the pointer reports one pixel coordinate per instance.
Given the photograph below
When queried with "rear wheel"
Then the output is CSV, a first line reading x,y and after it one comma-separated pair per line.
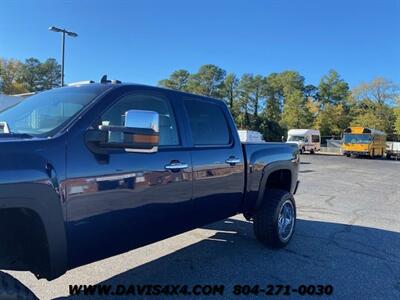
x,y
11,289
274,222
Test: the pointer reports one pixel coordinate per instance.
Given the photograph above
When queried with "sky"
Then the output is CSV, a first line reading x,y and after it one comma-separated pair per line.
x,y
143,41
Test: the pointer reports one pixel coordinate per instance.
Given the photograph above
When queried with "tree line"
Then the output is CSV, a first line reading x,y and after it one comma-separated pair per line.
x,y
32,75
270,104
274,103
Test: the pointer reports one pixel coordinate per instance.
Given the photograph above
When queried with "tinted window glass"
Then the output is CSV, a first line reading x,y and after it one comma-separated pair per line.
x,y
208,123
43,113
168,132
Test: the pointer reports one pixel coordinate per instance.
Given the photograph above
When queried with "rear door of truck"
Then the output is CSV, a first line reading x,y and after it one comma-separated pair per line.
x,y
217,159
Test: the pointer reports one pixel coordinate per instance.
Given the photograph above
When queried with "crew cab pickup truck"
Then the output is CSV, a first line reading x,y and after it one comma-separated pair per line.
x,y
93,170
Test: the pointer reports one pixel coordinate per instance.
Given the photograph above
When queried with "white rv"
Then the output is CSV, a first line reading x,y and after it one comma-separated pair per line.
x,y
306,139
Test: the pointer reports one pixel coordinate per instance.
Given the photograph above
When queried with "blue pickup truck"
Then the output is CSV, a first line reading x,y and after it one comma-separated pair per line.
x,y
93,170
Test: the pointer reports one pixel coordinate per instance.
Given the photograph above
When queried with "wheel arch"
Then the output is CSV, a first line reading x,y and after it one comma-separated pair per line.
x,y
278,175
41,200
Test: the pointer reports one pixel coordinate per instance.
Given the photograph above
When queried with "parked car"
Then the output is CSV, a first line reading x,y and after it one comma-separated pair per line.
x,y
305,139
94,170
393,150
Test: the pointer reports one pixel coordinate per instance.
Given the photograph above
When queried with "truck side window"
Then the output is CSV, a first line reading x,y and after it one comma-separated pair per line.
x,y
208,123
168,132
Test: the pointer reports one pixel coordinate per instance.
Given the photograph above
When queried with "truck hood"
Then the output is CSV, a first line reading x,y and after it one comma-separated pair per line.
x,y
24,159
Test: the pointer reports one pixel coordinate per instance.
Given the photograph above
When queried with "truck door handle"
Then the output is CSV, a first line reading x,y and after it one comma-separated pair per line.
x,y
232,161
176,166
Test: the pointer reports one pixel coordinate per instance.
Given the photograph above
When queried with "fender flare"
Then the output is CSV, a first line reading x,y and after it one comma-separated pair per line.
x,y
268,170
42,199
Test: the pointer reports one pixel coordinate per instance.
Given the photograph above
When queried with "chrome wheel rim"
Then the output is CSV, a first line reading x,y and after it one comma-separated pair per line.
x,y
286,220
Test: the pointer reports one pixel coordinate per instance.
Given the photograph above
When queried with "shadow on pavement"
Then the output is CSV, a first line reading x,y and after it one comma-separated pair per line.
x,y
359,262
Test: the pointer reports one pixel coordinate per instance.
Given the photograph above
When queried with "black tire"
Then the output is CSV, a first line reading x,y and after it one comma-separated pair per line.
x,y
312,151
12,289
265,220
388,156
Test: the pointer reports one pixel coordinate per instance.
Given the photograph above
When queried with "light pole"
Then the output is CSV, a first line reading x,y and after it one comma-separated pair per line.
x,y
69,33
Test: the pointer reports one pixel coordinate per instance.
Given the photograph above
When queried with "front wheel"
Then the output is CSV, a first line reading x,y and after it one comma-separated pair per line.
x,y
275,221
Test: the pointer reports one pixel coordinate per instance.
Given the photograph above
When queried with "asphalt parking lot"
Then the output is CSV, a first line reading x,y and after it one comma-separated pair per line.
x,y
348,236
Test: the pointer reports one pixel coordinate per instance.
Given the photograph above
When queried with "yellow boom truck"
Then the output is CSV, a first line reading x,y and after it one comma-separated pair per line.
x,y
362,141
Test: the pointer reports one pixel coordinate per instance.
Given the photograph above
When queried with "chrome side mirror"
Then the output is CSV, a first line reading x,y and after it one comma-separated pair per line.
x,y
140,133
146,126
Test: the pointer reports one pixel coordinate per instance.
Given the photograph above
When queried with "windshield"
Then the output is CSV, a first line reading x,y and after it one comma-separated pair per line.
x,y
41,114
294,138
357,138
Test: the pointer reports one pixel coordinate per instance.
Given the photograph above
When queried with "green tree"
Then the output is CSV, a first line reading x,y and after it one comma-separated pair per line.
x,y
284,95
274,95
295,113
178,80
230,91
208,81
31,74
333,89
374,105
290,81
10,77
312,108
370,114
244,102
50,75
379,90
334,114
331,120
251,100
311,91
397,122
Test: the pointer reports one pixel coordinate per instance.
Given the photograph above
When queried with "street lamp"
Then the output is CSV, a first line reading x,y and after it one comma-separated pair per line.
x,y
69,33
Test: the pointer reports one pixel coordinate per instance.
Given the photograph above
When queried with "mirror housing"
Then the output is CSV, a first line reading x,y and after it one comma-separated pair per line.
x,y
140,133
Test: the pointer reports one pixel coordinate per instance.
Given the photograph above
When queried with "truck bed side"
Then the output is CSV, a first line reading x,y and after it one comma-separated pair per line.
x,y
268,165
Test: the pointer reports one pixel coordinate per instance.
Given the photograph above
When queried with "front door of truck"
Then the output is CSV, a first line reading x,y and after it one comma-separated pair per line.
x,y
218,163
122,200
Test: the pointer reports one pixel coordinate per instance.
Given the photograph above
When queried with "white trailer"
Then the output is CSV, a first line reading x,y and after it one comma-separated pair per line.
x,y
306,139
250,136
393,150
